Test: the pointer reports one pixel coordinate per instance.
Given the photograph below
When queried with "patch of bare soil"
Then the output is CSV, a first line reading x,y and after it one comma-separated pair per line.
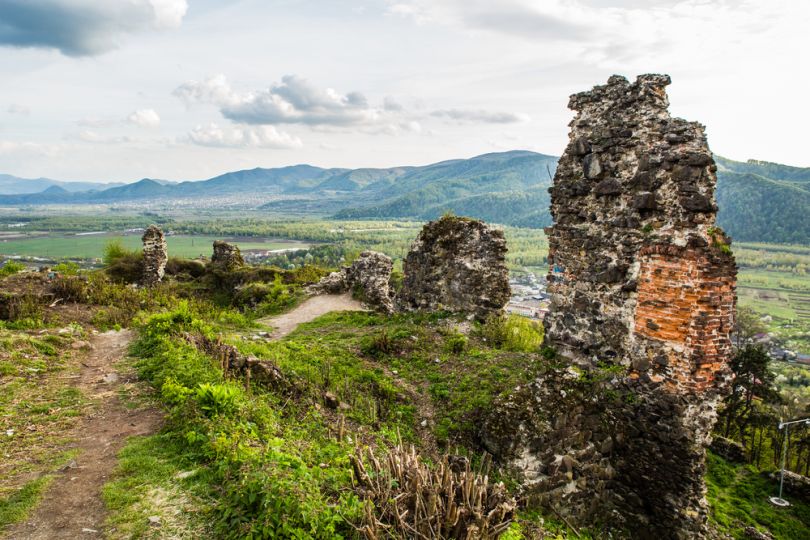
x,y
309,310
72,507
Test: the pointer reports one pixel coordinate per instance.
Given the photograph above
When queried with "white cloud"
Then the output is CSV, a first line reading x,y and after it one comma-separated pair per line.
x,y
294,101
16,108
24,149
83,27
94,137
243,137
146,118
465,116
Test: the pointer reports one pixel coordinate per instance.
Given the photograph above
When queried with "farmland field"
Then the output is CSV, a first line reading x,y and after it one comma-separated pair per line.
x,y
86,246
773,278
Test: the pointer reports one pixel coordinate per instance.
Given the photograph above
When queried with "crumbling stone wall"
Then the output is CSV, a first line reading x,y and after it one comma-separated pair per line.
x,y
154,255
226,256
457,264
642,288
369,276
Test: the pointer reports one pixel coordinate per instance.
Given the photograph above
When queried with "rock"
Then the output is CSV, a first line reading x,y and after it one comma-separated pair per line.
x,y
154,521
226,256
154,255
728,449
697,203
368,277
110,378
76,345
331,400
591,166
644,201
754,534
608,186
456,264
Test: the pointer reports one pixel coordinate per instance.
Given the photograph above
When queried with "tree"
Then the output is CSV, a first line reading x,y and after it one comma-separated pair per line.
x,y
753,381
747,324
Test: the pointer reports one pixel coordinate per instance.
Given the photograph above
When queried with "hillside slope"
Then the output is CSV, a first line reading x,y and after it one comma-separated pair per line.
x,y
759,201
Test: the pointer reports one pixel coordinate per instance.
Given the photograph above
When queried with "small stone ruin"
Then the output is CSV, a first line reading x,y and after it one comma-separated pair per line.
x,y
642,288
226,256
457,264
154,255
368,276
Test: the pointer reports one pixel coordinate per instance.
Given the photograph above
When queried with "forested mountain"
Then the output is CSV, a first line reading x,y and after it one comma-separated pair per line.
x,y
759,201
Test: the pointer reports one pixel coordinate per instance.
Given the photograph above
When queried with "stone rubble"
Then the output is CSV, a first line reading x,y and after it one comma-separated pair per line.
x,y
226,256
368,277
642,288
457,264
154,255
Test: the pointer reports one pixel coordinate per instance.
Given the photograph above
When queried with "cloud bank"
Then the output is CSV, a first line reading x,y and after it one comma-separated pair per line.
x,y
83,27
243,136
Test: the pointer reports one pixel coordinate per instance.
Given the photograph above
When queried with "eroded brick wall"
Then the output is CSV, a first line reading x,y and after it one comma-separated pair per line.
x,y
685,309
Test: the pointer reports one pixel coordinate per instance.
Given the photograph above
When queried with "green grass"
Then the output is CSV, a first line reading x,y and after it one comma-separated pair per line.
x,y
92,246
154,478
37,405
738,496
16,507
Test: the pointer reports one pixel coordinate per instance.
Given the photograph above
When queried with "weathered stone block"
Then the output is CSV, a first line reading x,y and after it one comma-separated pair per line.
x,y
154,255
457,264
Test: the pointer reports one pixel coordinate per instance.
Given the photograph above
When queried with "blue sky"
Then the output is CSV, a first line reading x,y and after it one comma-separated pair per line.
x,y
187,89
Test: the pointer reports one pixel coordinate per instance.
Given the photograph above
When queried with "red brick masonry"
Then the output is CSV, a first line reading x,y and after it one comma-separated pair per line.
x,y
686,300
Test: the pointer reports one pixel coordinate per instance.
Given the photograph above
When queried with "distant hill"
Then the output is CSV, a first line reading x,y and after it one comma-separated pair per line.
x,y
13,185
759,201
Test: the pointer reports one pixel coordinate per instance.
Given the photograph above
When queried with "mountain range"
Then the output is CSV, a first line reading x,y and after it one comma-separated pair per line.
x,y
759,201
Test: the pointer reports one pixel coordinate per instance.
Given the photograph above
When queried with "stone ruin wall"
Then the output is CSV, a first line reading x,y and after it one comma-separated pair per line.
x,y
226,256
642,288
155,255
456,264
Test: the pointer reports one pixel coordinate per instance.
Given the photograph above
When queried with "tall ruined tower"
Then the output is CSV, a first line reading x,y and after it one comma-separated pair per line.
x,y
641,277
642,288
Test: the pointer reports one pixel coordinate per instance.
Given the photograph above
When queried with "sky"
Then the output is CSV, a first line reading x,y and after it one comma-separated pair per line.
x,y
118,90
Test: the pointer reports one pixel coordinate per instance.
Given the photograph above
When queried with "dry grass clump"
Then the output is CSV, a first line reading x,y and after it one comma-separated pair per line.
x,y
413,500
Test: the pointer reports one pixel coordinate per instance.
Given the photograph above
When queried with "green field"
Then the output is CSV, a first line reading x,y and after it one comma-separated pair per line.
x,y
92,246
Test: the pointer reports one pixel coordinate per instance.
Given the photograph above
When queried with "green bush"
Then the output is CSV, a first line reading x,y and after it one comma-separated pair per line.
x,y
191,268
267,298
11,268
513,333
215,399
113,251
121,264
66,268
456,344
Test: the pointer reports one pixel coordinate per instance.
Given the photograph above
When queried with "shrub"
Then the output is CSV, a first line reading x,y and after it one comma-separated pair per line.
x,y
215,399
513,333
456,344
113,251
122,265
66,268
11,268
413,500
267,298
192,268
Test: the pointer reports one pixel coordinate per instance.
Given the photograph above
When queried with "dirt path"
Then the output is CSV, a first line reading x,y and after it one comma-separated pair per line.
x,y
309,310
72,506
